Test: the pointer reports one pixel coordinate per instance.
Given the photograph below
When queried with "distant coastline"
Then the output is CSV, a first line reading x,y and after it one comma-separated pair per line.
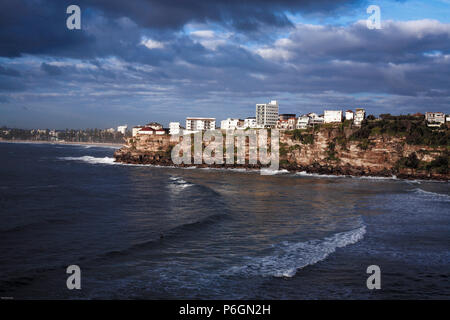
x,y
104,144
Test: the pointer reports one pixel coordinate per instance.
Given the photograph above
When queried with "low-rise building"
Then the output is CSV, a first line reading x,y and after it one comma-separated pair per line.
x,y
232,124
154,125
349,115
360,115
250,122
435,119
303,122
332,116
150,131
314,118
193,124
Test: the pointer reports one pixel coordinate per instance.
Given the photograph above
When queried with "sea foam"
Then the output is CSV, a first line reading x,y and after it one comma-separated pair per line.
x,y
291,256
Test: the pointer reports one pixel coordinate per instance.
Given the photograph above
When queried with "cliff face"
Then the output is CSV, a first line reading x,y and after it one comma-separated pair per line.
x,y
332,151
327,150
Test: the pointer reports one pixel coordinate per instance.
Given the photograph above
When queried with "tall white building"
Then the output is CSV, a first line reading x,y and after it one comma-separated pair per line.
x,y
193,124
330,116
122,129
250,122
231,124
267,114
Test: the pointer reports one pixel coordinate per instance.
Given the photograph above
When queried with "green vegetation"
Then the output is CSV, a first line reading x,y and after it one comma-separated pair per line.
x,y
415,131
438,165
331,152
300,135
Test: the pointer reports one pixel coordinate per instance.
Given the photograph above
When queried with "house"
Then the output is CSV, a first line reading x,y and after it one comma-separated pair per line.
x,y
231,124
250,122
267,114
151,131
360,115
146,130
314,118
154,125
434,119
303,122
286,124
193,124
332,116
349,115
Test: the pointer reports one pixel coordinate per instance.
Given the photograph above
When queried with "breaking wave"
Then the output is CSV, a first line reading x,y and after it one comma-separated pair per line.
x,y
306,174
270,172
432,195
292,256
91,160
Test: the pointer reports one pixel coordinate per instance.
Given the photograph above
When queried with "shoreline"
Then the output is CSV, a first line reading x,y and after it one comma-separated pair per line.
x,y
301,171
104,144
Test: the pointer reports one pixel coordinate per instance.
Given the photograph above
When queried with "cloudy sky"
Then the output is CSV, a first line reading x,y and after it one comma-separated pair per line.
x,y
138,61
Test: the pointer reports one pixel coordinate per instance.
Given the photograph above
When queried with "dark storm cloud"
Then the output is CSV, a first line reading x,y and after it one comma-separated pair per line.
x,y
244,15
39,27
36,27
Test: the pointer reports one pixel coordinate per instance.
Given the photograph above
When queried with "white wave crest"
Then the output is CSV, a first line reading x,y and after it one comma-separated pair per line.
x,y
291,256
306,174
432,195
91,160
270,172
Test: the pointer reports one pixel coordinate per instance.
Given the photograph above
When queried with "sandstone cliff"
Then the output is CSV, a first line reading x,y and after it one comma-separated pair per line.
x,y
327,150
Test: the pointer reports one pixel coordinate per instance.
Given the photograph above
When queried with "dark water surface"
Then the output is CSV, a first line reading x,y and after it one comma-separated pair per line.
x,y
155,233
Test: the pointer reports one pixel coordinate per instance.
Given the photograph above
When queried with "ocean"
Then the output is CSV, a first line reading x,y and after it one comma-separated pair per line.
x,y
147,232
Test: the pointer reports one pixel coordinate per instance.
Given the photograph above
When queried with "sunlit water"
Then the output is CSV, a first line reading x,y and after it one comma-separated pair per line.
x,y
153,233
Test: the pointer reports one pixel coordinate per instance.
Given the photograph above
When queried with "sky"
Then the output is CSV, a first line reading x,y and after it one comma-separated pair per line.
x,y
137,61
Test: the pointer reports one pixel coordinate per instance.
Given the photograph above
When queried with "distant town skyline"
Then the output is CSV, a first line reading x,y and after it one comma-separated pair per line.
x,y
133,63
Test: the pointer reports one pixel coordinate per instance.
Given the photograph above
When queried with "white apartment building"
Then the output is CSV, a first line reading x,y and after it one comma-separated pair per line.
x,y
122,129
231,124
267,114
349,115
193,124
434,119
303,122
250,122
360,115
331,116
175,128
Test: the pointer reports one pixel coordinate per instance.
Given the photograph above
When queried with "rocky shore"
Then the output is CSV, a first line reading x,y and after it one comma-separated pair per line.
x,y
380,160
